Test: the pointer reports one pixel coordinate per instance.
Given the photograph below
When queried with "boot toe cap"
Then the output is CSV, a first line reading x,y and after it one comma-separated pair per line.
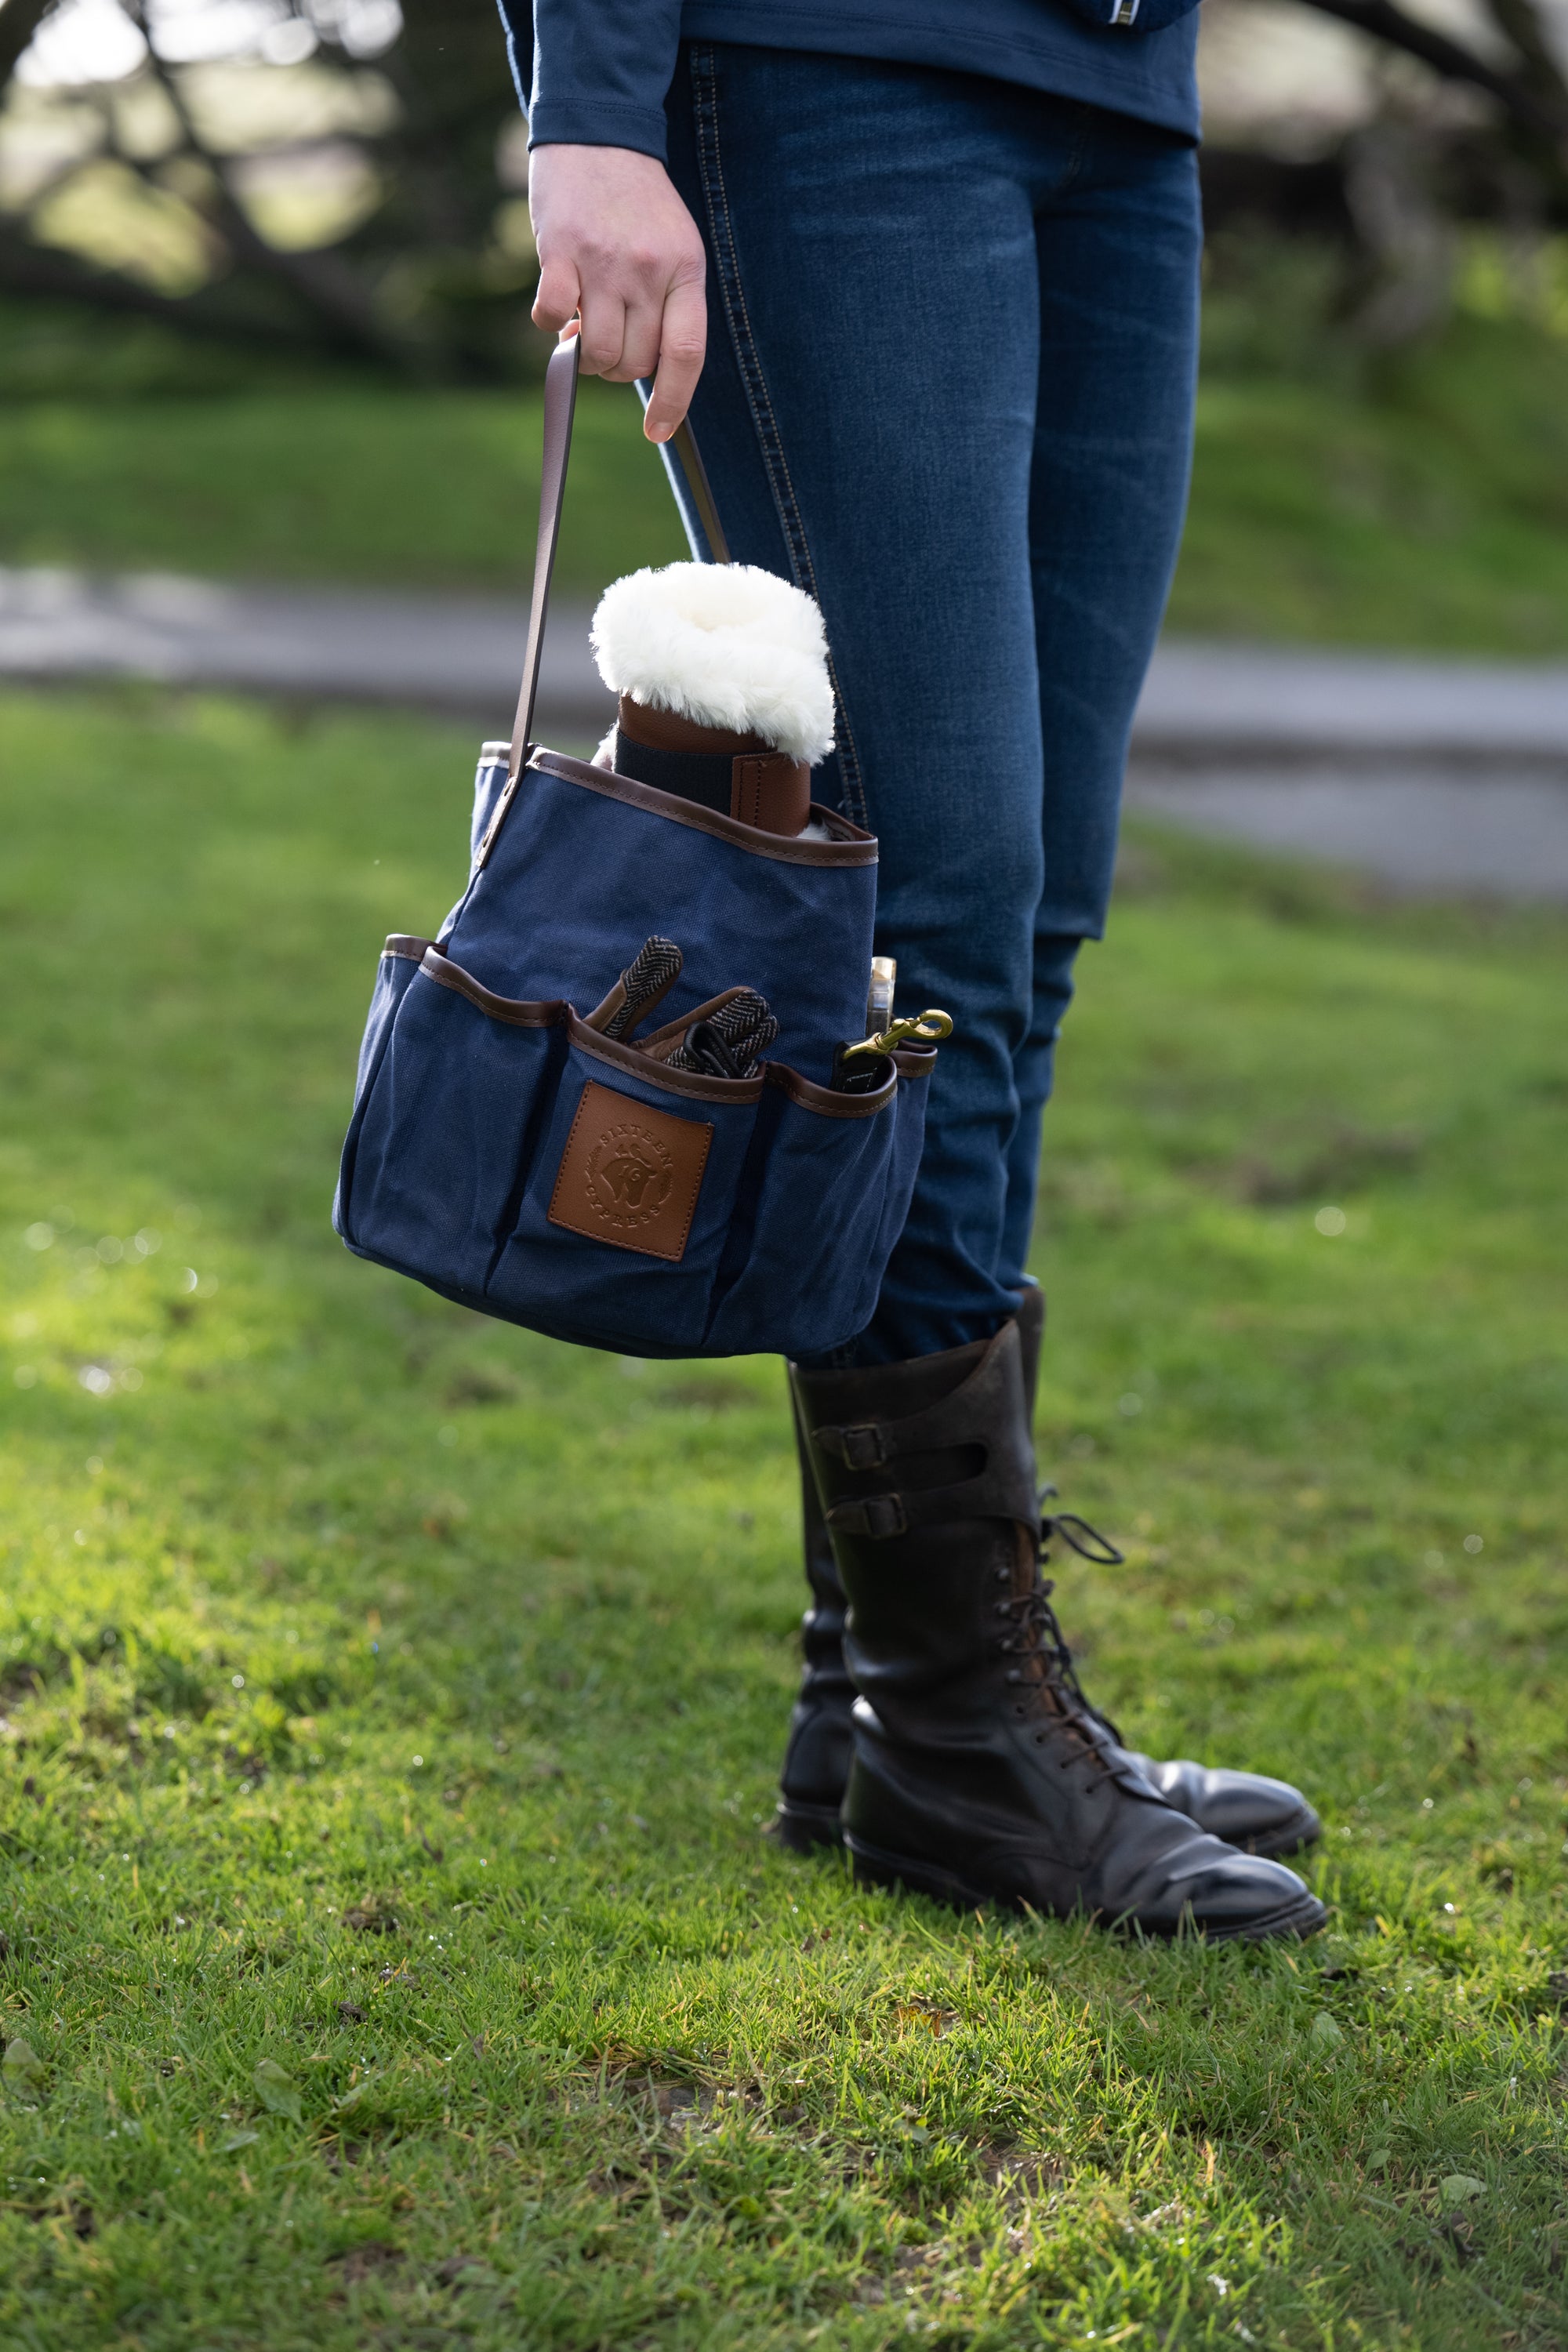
x,y
1247,1810
1208,1888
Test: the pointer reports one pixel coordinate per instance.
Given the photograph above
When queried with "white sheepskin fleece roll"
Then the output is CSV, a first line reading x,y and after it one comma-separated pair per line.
x,y
726,644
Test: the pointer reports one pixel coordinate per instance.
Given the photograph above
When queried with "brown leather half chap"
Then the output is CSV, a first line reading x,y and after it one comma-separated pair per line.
x,y
768,790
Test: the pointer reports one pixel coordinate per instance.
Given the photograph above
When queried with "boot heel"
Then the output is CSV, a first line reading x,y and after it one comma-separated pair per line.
x,y
805,1829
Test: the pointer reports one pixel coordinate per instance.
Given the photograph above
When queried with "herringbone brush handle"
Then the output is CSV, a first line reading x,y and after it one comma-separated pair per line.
x,y
652,970
729,1043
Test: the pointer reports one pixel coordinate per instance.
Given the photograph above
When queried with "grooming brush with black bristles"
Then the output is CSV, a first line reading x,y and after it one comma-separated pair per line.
x,y
729,1043
647,979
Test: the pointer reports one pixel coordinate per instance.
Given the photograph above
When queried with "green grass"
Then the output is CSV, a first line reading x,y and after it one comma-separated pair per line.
x,y
1422,504
1427,505
377,486
393,1954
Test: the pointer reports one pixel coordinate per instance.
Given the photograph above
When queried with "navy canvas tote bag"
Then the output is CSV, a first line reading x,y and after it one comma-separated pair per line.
x,y
516,1160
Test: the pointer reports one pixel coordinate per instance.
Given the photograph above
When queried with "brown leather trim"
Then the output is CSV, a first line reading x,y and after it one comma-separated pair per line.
x,y
771,792
518,1011
848,846
404,943
822,1099
768,790
666,730
607,1007
694,1084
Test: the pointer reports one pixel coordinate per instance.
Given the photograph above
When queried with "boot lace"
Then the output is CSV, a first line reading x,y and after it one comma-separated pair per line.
x,y
1038,1630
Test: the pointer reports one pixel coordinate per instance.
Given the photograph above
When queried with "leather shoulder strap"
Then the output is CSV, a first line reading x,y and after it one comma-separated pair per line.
x,y
683,441
560,403
682,447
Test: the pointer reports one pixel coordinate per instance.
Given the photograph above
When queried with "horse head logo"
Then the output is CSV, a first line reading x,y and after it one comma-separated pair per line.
x,y
630,1175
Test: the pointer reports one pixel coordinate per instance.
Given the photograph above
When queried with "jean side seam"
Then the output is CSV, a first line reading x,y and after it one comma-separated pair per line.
x,y
764,421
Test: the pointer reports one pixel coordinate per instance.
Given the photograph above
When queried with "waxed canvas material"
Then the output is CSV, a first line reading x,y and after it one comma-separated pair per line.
x,y
484,1153
573,874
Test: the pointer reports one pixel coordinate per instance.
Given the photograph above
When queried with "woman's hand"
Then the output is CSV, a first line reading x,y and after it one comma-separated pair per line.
x,y
619,249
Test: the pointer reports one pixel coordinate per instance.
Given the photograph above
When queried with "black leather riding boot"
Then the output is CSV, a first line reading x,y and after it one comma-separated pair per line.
x,y
980,1773
817,1758
1248,1810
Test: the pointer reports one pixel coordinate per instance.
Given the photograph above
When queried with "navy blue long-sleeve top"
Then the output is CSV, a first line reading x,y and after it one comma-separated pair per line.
x,y
594,72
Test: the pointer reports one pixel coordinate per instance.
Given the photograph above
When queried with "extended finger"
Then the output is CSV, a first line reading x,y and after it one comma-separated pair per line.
x,y
683,344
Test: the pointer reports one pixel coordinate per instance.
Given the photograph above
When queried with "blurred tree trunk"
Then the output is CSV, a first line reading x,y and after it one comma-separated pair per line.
x,y
19,20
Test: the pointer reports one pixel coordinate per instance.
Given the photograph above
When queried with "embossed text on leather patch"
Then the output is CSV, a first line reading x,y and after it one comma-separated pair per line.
x,y
630,1176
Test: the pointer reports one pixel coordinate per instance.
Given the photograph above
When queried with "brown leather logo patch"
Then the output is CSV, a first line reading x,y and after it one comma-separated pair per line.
x,y
629,1175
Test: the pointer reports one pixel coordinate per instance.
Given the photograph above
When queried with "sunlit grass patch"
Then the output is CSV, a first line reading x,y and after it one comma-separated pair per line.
x,y
391,1700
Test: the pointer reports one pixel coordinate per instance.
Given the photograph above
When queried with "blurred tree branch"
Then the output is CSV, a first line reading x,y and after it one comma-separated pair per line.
x,y
1387,202
430,277
1533,94
424,283
323,287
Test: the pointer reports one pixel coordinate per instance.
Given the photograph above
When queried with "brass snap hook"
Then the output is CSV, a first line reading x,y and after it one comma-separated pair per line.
x,y
927,1028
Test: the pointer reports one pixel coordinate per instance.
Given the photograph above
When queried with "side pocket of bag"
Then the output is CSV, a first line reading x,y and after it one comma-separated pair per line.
x,y
463,1088
623,1218
834,1176
400,960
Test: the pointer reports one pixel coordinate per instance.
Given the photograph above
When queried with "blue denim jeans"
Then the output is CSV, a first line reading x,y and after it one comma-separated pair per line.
x,y
952,352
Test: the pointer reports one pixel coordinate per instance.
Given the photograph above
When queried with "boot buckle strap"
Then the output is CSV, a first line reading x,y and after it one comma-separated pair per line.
x,y
862,1447
878,1515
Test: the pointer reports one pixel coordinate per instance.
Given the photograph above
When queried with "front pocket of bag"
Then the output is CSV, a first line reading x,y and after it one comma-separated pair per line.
x,y
464,1090
629,1202
834,1177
